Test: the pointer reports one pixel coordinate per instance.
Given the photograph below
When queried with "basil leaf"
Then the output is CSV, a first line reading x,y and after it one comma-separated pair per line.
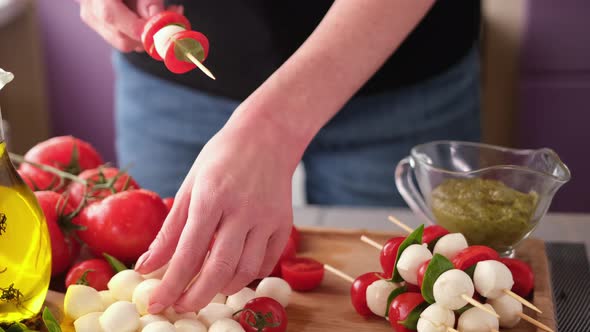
x,y
462,310
471,270
433,243
414,238
1,329
394,293
188,45
115,263
50,321
17,327
437,266
411,321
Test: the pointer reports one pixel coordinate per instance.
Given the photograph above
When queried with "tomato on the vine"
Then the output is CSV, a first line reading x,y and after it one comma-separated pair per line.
x,y
263,314
289,252
358,292
388,254
101,182
95,273
302,273
522,273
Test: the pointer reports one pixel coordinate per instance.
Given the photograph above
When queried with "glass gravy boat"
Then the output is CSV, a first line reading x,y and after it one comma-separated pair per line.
x,y
494,196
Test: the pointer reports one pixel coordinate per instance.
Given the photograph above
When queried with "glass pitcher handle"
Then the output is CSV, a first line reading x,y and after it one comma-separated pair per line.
x,y
404,176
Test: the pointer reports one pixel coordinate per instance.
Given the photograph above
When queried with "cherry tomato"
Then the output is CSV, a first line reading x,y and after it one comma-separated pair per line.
x,y
124,224
389,254
412,288
289,252
102,177
296,236
469,256
157,22
98,276
168,201
183,42
422,272
58,215
401,307
37,180
302,273
433,232
358,292
522,273
263,314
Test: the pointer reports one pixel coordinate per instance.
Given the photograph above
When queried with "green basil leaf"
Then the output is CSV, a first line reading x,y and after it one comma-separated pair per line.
x,y
50,321
17,327
437,266
117,265
470,271
462,310
411,321
188,45
1,329
414,238
394,293
433,243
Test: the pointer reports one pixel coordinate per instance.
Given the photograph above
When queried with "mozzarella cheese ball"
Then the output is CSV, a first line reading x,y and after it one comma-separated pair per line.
x,y
508,309
450,244
123,284
238,300
107,298
477,320
149,318
142,293
377,295
88,323
174,316
226,325
214,312
81,300
163,326
121,316
189,325
275,288
219,298
438,315
410,260
449,288
491,278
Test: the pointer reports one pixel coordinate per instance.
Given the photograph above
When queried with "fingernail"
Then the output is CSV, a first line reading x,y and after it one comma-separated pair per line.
x,y
142,259
155,308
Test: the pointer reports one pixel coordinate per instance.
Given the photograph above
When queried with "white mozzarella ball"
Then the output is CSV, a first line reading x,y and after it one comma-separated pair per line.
x,y
214,312
219,298
477,320
163,35
226,325
157,274
508,309
450,244
275,288
81,300
190,325
88,323
377,295
142,293
163,326
121,316
149,318
491,278
449,288
123,284
174,316
410,260
107,298
438,315
424,325
238,300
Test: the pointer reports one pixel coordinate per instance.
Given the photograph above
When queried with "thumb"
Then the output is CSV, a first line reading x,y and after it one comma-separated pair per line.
x,y
149,8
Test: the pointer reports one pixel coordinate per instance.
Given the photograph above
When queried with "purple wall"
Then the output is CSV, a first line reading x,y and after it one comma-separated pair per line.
x,y
79,74
555,91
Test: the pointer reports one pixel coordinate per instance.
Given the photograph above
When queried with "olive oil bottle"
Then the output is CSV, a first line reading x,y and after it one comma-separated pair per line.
x,y
25,249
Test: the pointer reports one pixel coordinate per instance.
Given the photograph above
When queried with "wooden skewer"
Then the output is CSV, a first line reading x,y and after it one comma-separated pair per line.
x,y
535,322
339,273
400,224
479,305
200,65
371,242
522,300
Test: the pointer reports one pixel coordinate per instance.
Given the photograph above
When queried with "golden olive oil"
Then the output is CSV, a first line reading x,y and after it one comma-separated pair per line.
x,y
25,249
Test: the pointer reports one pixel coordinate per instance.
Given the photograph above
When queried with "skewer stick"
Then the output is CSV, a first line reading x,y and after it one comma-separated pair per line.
x,y
339,273
535,322
400,224
521,300
479,305
200,65
371,242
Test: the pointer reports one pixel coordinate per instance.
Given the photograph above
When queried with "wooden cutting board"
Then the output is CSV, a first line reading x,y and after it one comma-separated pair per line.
x,y
328,308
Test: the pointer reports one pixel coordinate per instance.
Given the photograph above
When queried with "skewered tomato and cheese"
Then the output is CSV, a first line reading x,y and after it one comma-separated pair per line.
x,y
449,245
476,320
508,309
492,278
435,318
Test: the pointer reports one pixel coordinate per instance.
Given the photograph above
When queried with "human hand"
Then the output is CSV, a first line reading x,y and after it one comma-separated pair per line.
x,y
120,22
240,188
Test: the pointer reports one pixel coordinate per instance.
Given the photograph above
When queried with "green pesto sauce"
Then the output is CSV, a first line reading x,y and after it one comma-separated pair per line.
x,y
486,212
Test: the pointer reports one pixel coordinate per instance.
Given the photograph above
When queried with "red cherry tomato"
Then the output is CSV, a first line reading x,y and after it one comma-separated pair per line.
x,y
302,273
263,314
470,256
389,254
100,177
296,236
433,232
157,22
412,288
100,272
168,201
289,252
401,307
422,272
358,292
522,273
192,42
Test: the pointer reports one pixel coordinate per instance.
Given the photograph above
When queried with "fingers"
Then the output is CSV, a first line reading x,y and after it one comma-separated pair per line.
x,y
189,255
251,261
275,247
149,8
219,268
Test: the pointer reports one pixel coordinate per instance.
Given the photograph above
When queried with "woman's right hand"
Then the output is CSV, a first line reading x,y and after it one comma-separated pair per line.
x,y
120,22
